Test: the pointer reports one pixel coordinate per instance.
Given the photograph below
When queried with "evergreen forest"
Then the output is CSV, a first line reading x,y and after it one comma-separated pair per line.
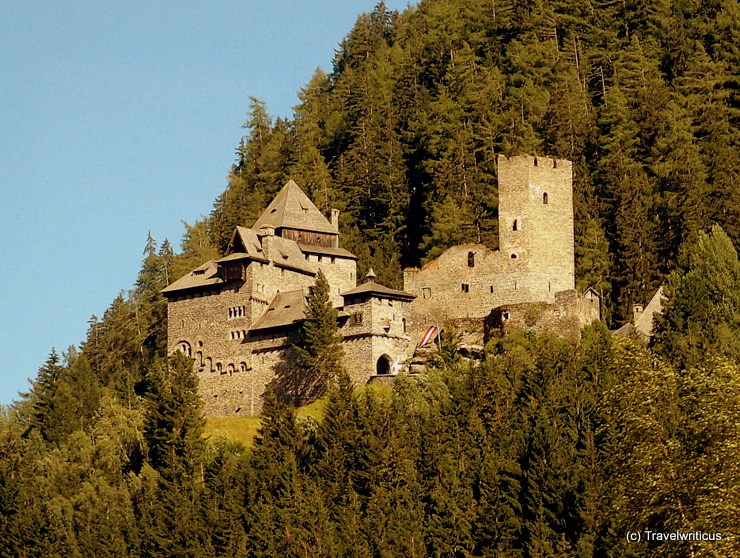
x,y
543,447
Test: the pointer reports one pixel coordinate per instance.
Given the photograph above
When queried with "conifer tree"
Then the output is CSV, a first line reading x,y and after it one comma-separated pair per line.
x,y
702,307
318,352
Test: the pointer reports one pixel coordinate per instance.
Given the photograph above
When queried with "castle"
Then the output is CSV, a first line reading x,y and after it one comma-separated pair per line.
x,y
237,316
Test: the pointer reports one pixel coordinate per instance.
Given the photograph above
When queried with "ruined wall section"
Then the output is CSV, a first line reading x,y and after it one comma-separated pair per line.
x,y
466,281
565,316
536,221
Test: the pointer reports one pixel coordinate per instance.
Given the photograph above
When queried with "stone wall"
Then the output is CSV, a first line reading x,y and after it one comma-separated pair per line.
x,y
564,317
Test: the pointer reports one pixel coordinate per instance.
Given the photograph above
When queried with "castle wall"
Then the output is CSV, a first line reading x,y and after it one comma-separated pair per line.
x,y
565,316
450,288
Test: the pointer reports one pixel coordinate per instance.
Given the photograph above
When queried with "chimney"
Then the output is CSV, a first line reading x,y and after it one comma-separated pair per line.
x,y
637,310
267,232
334,219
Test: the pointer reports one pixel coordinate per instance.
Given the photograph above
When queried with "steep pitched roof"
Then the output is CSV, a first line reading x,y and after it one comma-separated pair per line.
x,y
292,209
246,241
286,253
381,291
284,310
202,276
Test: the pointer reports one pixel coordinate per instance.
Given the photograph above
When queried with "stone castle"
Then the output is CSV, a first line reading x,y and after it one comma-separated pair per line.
x,y
237,316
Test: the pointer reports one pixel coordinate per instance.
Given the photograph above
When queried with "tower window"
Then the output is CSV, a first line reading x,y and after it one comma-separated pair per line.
x,y
513,256
465,288
544,198
471,259
426,292
491,287
514,226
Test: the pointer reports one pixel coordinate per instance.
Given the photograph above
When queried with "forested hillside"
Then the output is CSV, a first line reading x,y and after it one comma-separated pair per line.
x,y
403,134
543,447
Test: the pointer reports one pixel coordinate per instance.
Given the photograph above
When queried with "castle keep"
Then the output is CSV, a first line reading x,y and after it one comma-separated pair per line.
x,y
237,316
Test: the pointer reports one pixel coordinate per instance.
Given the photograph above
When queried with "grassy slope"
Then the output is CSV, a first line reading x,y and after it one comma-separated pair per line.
x,y
244,429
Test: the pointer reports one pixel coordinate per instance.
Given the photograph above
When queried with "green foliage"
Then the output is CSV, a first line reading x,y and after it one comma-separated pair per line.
x,y
702,308
318,351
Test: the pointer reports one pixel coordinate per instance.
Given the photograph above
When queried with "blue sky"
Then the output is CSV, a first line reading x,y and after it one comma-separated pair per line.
x,y
120,118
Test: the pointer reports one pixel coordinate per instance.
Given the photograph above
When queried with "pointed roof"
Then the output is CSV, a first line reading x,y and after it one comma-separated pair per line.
x,y
292,209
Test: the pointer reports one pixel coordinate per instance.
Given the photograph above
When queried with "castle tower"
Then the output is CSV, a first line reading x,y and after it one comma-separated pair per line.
x,y
536,221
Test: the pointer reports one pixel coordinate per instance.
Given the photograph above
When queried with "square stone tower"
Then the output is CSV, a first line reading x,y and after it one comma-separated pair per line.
x,y
536,222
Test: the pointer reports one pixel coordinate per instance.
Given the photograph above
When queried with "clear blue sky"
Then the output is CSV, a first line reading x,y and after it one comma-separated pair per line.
x,y
119,118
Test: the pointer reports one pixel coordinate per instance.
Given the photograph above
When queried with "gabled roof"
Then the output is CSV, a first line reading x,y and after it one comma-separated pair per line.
x,y
292,209
246,241
378,290
285,253
285,309
203,276
644,323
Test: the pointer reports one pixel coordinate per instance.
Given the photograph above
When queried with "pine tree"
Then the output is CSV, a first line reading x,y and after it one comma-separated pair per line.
x,y
701,313
318,352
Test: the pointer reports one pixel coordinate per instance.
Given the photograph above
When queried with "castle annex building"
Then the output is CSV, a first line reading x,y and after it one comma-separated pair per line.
x,y
237,316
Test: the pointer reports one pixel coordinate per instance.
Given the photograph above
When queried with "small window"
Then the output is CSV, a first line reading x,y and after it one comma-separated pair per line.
x,y
491,288
243,367
465,288
426,292
513,256
514,225
471,259
514,285
548,287
403,323
544,199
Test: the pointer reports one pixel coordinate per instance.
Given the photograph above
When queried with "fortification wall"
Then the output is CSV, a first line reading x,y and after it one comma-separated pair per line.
x,y
564,317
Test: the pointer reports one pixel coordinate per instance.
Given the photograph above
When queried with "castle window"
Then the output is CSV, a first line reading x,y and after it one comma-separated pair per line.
x,y
535,161
356,318
209,364
548,287
471,259
514,225
491,287
199,359
513,256
231,369
514,285
403,323
465,288
426,292
242,366
544,199
219,368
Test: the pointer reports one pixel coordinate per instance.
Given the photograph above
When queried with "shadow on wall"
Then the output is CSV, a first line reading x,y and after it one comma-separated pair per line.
x,y
296,385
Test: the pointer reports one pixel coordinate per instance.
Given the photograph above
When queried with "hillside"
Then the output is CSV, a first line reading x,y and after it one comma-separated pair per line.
x,y
542,446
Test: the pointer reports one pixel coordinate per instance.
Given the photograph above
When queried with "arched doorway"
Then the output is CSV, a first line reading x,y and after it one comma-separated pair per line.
x,y
383,366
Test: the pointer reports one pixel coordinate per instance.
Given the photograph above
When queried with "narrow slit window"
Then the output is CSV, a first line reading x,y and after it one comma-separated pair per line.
x,y
465,288
471,259
545,200
515,225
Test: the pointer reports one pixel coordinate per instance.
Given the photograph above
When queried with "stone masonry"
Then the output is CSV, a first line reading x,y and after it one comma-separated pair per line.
x,y
238,316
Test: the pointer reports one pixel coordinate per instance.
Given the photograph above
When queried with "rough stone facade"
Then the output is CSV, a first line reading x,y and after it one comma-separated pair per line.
x,y
535,262
237,317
